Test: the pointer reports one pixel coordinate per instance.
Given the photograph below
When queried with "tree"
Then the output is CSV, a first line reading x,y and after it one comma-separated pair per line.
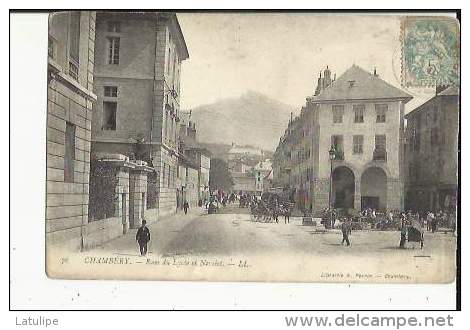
x,y
219,175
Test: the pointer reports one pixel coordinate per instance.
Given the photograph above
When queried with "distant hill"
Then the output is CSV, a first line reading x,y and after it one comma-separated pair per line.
x,y
252,119
221,150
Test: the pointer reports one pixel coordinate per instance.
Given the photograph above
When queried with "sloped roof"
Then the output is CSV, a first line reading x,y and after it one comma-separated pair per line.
x,y
264,165
450,91
245,150
364,86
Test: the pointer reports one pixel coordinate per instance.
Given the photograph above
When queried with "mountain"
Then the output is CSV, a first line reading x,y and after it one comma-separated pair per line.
x,y
251,119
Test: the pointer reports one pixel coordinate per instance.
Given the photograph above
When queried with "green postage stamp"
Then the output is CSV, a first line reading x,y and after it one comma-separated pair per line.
x,y
430,51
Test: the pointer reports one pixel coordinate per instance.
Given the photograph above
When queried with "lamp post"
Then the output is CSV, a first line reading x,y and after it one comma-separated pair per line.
x,y
332,154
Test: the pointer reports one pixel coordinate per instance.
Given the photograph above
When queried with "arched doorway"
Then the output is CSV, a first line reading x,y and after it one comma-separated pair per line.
x,y
343,188
374,189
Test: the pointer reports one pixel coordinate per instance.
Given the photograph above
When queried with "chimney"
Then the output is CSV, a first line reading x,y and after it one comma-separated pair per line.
x,y
375,72
319,85
327,77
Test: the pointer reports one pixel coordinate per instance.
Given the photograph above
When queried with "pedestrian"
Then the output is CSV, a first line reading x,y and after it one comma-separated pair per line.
x,y
403,237
428,221
185,207
434,223
286,214
346,230
143,237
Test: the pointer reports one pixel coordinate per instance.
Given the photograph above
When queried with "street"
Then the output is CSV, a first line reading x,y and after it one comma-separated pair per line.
x,y
293,247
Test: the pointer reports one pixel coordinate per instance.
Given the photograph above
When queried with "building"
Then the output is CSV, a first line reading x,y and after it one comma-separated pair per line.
x,y
359,118
293,160
138,58
195,155
69,113
244,183
262,172
431,153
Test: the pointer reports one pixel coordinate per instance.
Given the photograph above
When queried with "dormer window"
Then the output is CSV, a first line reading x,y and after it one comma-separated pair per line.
x,y
351,83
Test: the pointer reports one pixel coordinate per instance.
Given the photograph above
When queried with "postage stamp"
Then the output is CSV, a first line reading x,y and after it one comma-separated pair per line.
x,y
430,51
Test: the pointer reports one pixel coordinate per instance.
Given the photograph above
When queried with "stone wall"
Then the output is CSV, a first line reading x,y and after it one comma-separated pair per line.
x,y
137,196
192,188
69,100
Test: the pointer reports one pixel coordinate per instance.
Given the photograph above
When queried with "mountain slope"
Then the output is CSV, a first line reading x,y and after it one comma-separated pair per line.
x,y
252,119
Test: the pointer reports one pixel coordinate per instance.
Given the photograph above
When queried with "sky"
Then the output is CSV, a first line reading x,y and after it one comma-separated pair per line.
x,y
282,54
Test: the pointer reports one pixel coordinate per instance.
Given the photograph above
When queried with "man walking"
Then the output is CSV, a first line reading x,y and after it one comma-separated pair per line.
x,y
186,207
286,214
346,230
143,237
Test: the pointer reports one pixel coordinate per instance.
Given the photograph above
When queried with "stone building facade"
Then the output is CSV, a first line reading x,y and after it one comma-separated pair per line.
x,y
137,82
431,153
293,160
361,118
69,113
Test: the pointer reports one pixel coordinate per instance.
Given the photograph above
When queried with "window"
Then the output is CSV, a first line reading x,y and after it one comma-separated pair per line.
x,y
109,116
113,50
73,70
110,91
168,60
380,142
380,151
435,117
114,26
411,171
74,44
358,141
358,113
69,157
381,110
434,136
169,175
164,174
74,36
417,141
52,48
338,111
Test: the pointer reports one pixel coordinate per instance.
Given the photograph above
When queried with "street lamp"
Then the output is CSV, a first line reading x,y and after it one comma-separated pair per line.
x,y
332,154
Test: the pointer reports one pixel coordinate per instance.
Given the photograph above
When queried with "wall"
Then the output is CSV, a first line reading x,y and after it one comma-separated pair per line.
x,y
435,166
391,128
67,202
138,197
192,188
148,93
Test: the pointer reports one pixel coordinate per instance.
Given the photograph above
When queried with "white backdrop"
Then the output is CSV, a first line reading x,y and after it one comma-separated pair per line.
x,y
31,289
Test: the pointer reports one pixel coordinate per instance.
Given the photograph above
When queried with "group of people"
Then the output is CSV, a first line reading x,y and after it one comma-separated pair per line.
x,y
269,209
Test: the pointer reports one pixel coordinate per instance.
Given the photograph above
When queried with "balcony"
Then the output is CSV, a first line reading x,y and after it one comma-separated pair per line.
x,y
379,155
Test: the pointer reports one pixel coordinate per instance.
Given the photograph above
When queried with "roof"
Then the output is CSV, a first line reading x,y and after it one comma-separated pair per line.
x,y
450,91
264,165
245,150
175,24
241,175
364,86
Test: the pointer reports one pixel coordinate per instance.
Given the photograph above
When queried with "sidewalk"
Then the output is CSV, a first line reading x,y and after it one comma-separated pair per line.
x,y
170,223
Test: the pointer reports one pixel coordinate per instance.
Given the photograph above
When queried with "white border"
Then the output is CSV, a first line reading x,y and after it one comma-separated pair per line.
x,y
30,287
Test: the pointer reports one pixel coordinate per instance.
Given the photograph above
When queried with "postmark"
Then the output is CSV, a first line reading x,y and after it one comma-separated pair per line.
x,y
430,51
